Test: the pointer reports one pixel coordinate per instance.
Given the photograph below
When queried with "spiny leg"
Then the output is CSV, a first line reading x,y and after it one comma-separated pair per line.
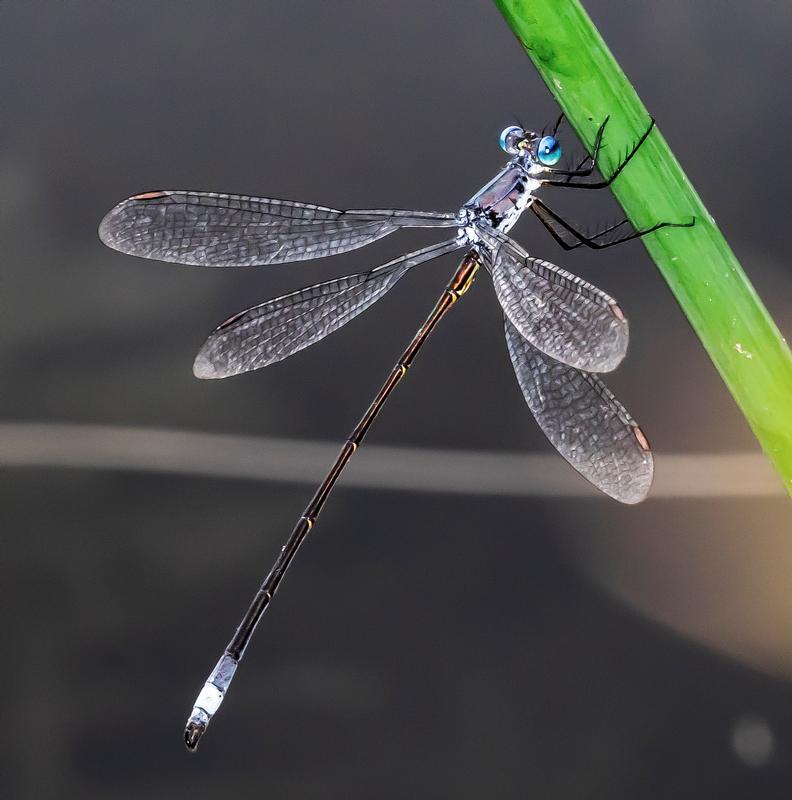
x,y
550,219
216,686
580,171
600,184
556,126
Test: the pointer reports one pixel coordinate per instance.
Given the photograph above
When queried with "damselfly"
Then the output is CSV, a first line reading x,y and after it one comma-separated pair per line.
x,y
560,330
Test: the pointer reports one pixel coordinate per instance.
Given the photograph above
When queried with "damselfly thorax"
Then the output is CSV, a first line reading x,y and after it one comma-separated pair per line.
x,y
500,202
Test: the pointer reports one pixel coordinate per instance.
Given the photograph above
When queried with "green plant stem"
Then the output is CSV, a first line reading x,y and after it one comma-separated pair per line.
x,y
697,263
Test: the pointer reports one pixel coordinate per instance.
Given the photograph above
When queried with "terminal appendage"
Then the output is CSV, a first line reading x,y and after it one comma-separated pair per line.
x,y
209,699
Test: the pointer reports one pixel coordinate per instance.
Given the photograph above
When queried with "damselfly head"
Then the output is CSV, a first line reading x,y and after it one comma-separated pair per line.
x,y
515,140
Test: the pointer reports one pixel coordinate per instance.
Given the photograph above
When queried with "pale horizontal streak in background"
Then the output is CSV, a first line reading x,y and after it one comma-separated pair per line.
x,y
376,466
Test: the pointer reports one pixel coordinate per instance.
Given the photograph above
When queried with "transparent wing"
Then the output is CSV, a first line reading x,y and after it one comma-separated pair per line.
x,y
276,329
561,314
588,426
225,230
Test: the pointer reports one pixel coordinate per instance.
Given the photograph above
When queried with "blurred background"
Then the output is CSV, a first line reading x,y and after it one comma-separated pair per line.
x,y
464,642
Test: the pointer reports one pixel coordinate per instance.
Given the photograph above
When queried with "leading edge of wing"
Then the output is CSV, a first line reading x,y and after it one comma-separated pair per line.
x,y
583,420
223,230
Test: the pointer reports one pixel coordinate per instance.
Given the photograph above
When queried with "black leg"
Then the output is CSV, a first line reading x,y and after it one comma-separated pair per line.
x,y
578,172
580,165
600,184
570,238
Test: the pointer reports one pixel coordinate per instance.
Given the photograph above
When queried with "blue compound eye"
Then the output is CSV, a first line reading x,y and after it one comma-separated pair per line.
x,y
548,151
510,139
